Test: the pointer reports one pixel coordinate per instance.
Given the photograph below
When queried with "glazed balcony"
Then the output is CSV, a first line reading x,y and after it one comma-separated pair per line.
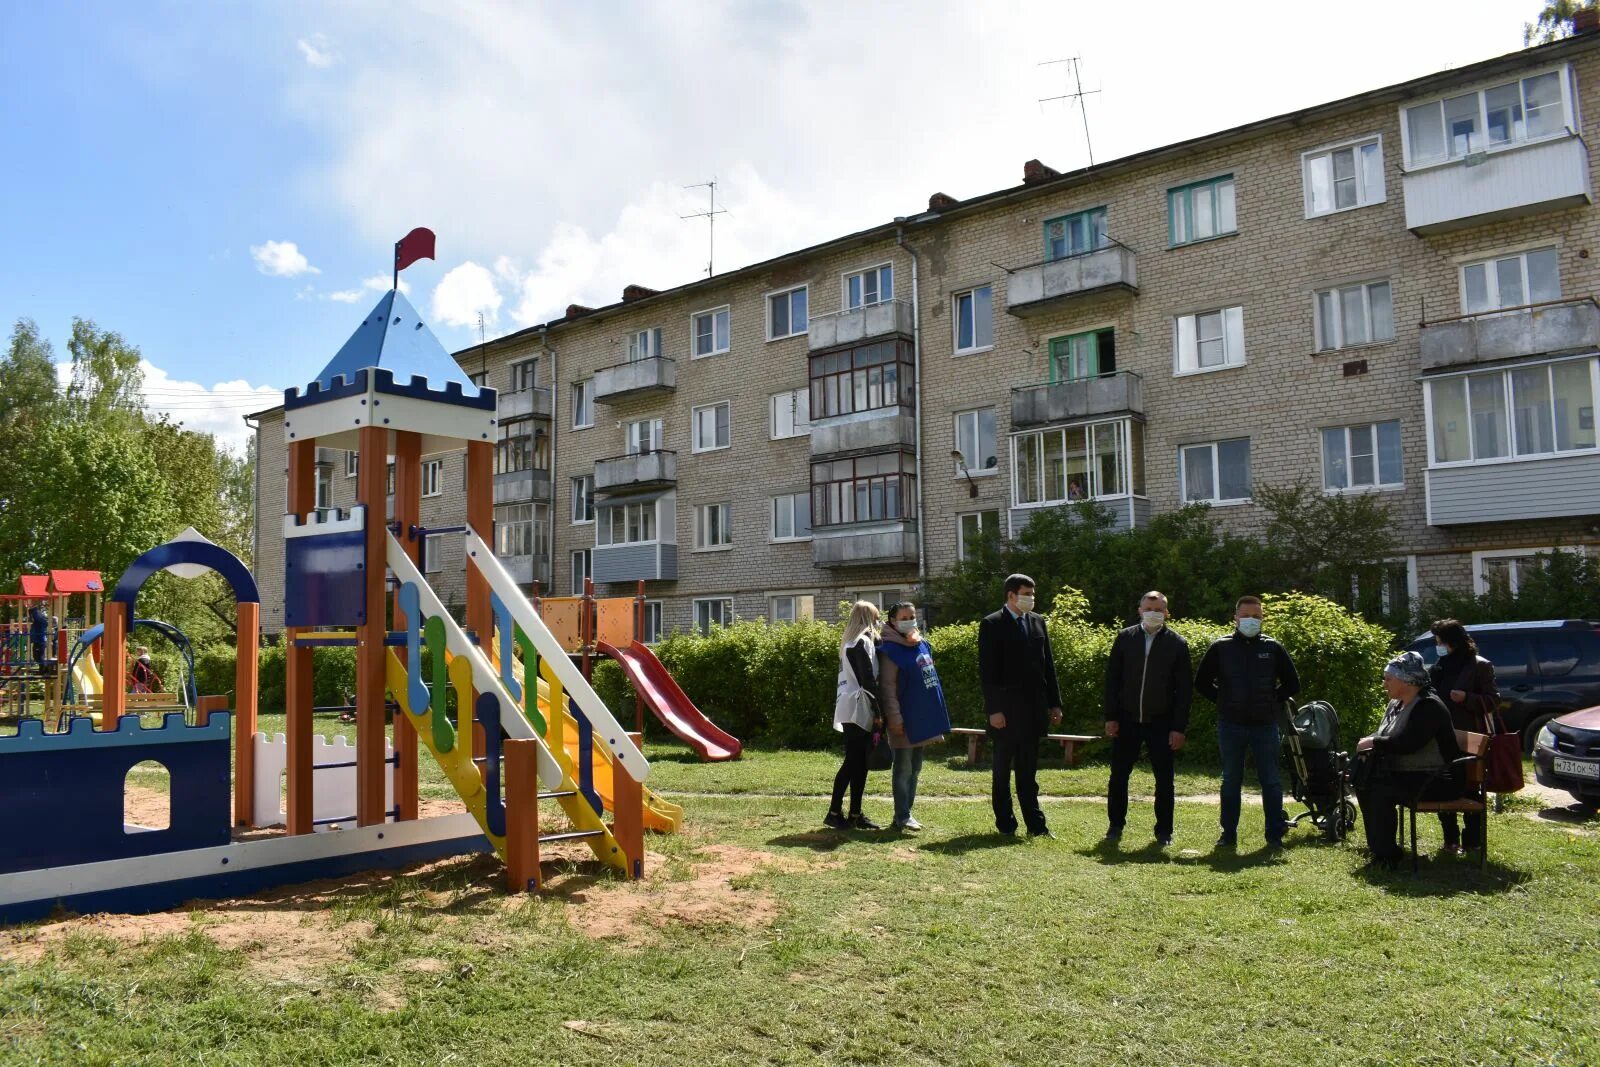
x,y
1500,184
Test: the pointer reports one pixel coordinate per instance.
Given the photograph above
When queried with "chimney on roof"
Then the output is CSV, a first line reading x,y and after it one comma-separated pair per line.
x,y
1585,20
631,293
941,202
1034,172
574,310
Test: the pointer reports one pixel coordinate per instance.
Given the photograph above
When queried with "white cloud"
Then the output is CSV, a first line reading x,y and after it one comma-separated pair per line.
x,y
281,259
316,51
217,409
377,284
345,296
463,293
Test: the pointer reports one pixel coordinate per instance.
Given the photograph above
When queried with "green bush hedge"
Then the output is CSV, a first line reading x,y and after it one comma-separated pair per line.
x,y
333,674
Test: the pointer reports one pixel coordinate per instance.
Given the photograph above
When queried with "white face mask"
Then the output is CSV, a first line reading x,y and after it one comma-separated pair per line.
x,y
1442,648
1250,627
905,626
1024,604
1153,620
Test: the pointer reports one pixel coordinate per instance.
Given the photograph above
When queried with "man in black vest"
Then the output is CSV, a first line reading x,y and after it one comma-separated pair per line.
x,y
1249,676
1148,691
1020,695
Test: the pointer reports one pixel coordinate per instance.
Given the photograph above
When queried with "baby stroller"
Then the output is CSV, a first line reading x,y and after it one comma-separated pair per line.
x,y
1319,772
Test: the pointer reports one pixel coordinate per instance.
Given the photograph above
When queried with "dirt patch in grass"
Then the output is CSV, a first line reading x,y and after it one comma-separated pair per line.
x,y
636,912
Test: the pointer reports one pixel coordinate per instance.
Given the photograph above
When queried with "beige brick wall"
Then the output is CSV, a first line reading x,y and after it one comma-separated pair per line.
x,y
1281,398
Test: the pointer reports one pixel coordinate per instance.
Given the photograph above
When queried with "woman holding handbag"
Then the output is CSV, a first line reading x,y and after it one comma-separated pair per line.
x,y
855,714
1465,681
913,705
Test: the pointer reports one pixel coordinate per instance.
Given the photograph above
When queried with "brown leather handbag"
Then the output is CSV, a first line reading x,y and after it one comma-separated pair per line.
x,y
1504,771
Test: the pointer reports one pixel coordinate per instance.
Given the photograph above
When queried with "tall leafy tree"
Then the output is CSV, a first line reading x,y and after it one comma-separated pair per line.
x,y
106,378
28,385
1554,21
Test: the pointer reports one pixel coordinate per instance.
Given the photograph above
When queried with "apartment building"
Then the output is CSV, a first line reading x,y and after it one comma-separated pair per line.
x,y
1390,294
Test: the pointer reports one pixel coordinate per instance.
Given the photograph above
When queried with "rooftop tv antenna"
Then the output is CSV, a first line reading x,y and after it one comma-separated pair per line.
x,y
1075,74
710,215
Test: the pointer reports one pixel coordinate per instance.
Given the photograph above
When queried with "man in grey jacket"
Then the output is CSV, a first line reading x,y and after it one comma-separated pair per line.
x,y
1148,691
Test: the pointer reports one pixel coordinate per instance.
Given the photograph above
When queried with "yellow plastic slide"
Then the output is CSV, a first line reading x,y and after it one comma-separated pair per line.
x,y
660,814
86,680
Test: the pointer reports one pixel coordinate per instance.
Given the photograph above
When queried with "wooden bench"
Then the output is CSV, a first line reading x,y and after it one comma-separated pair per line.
x,y
1475,759
1070,744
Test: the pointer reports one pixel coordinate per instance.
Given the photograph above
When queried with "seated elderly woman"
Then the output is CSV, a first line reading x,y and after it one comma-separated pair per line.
x,y
1410,757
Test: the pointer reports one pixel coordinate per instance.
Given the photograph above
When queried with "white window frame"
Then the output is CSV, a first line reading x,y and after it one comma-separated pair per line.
x,y
961,527
352,463
1091,457
585,494
976,415
725,312
798,400
955,320
724,524
1511,455
1230,358
1365,197
516,370
694,427
1480,586
1337,342
1378,484
766,303
1569,121
582,392
656,609
645,443
728,620
883,297
1492,276
433,553
794,600
874,594
573,573
645,344
432,473
1216,474
794,525
603,528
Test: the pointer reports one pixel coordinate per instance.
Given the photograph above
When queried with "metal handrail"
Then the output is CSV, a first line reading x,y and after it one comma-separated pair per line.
x,y
636,455
1075,255
636,362
1068,381
1590,299
863,307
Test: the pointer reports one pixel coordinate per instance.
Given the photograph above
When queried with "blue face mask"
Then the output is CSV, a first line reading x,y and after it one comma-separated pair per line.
x,y
1250,627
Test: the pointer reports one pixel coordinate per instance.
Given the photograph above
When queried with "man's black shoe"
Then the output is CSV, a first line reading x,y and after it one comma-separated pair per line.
x,y
1042,833
861,822
1227,841
1113,835
1164,840
836,820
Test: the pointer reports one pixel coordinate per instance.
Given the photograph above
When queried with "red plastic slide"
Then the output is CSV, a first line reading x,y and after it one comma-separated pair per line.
x,y
671,704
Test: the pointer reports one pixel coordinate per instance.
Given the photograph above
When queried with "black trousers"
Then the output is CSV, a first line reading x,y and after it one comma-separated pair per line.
x,y
1018,753
1380,798
853,771
1452,829
1131,737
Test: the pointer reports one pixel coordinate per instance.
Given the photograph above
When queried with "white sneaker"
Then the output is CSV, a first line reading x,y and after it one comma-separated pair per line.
x,y
911,824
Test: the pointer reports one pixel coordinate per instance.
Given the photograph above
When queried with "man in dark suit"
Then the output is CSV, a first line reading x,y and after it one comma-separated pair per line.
x,y
1022,699
1148,691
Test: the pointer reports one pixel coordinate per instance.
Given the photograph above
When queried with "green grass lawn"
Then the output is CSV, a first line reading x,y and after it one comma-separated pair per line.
x,y
955,946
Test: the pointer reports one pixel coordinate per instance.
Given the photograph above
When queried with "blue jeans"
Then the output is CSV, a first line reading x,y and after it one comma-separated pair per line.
x,y
1234,740
907,766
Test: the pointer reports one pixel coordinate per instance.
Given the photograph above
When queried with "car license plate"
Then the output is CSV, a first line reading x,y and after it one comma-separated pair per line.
x,y
1578,768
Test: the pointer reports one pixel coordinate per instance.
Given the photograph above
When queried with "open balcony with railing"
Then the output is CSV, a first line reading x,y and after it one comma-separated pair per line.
x,y
1552,327
1041,287
1120,392
656,469
523,486
887,318
650,376
525,403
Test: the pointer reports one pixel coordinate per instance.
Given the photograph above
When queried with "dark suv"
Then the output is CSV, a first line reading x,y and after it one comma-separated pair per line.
x,y
1543,669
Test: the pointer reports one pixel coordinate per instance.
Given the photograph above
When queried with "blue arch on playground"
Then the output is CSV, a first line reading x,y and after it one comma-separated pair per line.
x,y
165,629
201,553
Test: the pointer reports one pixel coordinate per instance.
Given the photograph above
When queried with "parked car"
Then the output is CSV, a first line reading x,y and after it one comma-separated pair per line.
x,y
1543,669
1567,755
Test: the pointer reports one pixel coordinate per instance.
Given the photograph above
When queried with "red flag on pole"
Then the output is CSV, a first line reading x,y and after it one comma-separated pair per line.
x,y
418,244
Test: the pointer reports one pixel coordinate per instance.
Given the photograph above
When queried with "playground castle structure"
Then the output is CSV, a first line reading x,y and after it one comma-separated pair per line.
x,y
27,683
498,703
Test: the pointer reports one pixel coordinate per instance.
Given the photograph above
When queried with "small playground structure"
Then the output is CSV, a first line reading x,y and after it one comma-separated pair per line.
x,y
28,680
498,703
613,627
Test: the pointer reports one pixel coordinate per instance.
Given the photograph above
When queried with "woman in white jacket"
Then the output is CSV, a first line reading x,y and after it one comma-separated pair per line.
x,y
855,714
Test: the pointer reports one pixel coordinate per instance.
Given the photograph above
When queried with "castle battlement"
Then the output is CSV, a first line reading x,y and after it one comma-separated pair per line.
x,y
81,734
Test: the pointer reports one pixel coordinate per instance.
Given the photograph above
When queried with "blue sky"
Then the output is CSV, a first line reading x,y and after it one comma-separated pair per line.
x,y
162,159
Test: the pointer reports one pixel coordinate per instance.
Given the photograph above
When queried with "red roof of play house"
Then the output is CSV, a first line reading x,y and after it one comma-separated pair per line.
x,y
76,582
34,584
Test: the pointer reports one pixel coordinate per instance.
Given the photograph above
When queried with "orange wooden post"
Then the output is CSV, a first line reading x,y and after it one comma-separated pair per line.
x,y
521,757
297,659
204,706
586,626
627,815
480,516
246,679
408,513
114,665
371,490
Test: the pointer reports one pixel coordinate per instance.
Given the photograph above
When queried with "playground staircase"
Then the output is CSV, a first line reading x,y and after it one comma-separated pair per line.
x,y
451,661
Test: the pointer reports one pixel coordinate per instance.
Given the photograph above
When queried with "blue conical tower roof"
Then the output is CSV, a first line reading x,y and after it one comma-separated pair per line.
x,y
393,337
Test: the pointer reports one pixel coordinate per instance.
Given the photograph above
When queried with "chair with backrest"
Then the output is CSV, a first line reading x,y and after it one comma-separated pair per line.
x,y
1474,765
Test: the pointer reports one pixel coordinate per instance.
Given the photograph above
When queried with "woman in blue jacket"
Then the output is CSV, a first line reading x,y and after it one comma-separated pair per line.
x,y
913,705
